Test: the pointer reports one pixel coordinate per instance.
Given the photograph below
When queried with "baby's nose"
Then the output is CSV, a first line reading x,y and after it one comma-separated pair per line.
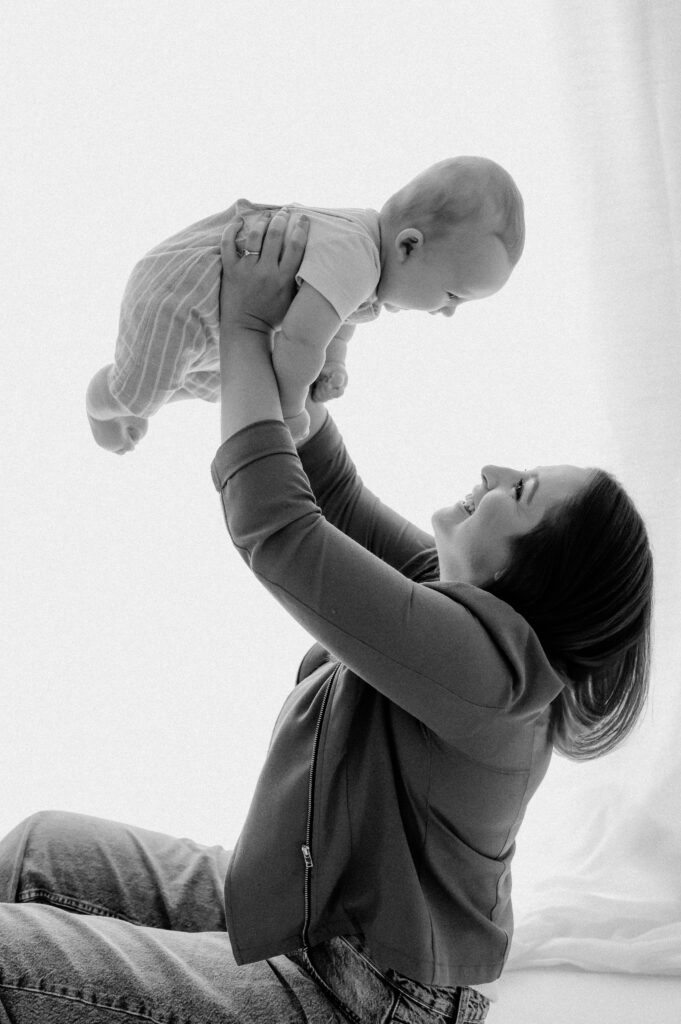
x,y
448,311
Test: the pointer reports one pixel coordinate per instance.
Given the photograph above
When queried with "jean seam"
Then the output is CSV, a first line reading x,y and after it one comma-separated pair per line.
x,y
390,1017
287,987
326,988
62,902
369,963
93,1004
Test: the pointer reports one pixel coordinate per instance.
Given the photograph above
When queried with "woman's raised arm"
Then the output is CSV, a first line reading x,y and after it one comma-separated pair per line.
x,y
255,294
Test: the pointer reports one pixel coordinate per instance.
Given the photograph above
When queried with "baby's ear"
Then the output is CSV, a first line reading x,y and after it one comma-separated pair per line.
x,y
407,241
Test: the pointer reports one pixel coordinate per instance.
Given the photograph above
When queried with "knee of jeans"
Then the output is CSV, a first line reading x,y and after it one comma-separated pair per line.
x,y
35,830
36,833
44,823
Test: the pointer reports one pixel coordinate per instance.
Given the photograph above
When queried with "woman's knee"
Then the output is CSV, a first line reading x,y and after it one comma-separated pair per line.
x,y
37,839
44,825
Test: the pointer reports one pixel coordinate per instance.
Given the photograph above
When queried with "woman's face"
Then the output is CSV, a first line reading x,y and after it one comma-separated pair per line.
x,y
473,538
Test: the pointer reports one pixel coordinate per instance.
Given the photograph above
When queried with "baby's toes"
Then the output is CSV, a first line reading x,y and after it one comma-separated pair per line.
x,y
329,386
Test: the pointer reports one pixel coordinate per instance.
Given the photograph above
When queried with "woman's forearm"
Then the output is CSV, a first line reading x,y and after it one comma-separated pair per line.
x,y
255,296
249,390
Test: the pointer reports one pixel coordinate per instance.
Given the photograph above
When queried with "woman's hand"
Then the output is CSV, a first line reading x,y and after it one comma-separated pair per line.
x,y
255,294
258,284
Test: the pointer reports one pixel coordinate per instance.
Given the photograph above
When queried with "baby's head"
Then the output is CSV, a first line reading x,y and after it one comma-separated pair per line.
x,y
452,234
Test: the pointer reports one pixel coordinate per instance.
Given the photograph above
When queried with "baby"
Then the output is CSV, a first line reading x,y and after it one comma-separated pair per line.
x,y
452,234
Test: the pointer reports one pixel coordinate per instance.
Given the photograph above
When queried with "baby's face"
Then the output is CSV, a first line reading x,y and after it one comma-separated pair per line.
x,y
437,276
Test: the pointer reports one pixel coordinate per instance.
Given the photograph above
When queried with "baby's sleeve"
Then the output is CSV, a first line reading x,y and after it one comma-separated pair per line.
x,y
342,264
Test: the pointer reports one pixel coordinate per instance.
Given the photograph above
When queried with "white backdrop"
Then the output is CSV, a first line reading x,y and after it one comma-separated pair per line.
x,y
142,666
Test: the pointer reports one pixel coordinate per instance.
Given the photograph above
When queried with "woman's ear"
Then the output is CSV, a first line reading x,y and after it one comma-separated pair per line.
x,y
407,241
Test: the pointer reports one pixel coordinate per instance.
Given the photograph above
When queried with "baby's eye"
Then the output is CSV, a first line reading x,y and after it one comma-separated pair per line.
x,y
518,489
455,298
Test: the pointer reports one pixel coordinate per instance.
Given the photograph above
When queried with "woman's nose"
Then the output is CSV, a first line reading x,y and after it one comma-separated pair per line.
x,y
489,476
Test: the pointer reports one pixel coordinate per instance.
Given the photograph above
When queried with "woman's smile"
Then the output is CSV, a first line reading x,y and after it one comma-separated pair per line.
x,y
473,537
468,504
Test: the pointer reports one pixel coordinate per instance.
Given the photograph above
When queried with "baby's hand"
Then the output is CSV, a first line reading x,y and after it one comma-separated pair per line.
x,y
120,434
330,383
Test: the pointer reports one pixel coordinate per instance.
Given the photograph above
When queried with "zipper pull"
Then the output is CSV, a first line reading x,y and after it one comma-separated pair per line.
x,y
307,856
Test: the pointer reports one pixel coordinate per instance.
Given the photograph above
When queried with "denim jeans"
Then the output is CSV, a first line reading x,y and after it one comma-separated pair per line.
x,y
102,922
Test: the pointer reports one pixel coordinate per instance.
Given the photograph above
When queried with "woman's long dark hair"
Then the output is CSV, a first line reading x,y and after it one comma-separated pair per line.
x,y
583,579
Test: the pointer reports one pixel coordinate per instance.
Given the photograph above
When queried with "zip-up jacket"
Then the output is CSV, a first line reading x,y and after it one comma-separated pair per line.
x,y
401,765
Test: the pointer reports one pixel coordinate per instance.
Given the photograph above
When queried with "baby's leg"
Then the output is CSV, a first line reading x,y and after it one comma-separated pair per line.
x,y
332,380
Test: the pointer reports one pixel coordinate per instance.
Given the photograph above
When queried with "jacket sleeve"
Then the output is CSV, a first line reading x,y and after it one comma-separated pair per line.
x,y
351,507
426,652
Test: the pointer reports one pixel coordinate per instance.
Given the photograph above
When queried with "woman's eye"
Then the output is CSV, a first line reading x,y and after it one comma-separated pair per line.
x,y
518,489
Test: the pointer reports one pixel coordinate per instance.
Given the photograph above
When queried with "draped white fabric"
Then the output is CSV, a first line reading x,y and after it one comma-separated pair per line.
x,y
146,667
607,895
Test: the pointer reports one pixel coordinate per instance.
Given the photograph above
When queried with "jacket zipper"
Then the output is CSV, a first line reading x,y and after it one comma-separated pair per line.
x,y
306,848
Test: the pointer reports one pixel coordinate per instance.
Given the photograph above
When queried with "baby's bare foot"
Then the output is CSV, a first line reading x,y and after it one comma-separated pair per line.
x,y
329,384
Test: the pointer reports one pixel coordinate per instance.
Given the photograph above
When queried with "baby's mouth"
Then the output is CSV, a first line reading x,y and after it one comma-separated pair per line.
x,y
467,504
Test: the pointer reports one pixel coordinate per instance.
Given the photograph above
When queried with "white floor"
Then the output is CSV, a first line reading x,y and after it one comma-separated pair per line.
x,y
564,996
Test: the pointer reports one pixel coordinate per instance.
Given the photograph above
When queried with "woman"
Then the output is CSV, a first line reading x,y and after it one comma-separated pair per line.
x,y
371,881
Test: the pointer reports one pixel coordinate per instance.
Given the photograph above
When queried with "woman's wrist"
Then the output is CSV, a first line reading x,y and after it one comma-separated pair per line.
x,y
248,388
